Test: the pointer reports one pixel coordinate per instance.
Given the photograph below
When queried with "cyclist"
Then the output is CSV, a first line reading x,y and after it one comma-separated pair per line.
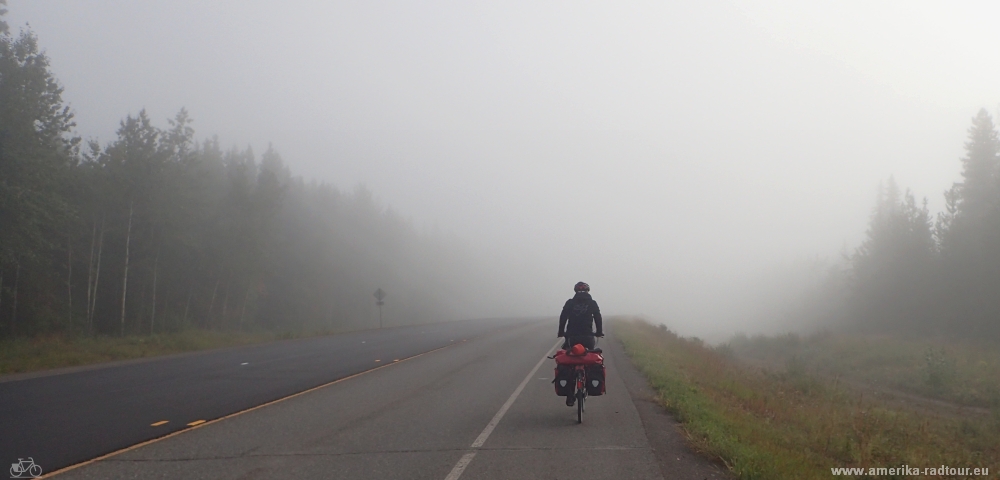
x,y
576,322
579,314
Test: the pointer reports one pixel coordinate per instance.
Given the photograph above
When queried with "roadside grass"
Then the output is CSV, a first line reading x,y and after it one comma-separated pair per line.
x,y
31,354
966,373
792,424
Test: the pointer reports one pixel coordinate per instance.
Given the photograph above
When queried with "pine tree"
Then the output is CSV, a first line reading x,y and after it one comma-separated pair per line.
x,y
3,25
36,158
892,262
971,203
34,149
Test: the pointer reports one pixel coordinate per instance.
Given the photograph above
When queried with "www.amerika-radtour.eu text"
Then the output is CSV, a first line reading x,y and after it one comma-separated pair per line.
x,y
906,470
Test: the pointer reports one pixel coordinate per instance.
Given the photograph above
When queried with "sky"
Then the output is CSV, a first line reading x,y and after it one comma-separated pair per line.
x,y
671,154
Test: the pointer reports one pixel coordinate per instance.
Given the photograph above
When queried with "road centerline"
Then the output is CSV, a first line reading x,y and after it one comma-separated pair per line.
x,y
203,423
466,459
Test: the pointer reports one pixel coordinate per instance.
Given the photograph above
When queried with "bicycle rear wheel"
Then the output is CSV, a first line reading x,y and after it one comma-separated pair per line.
x,y
579,408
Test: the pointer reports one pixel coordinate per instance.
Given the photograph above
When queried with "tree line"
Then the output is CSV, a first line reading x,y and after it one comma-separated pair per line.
x,y
158,231
940,276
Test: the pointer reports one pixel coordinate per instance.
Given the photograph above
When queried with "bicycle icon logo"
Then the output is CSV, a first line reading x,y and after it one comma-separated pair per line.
x,y
25,469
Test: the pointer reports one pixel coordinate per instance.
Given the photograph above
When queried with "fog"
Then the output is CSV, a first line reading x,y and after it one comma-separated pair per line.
x,y
673,156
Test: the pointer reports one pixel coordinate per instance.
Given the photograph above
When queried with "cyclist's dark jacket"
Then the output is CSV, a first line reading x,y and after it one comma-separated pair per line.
x,y
579,316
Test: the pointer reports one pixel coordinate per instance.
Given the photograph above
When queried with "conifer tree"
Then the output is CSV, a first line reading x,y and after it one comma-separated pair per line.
x,y
971,205
892,262
155,231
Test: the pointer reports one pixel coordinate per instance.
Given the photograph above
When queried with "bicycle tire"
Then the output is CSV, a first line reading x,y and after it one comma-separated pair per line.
x,y
579,409
35,471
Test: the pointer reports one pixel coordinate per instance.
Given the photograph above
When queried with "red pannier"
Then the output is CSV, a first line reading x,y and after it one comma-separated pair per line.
x,y
589,358
565,378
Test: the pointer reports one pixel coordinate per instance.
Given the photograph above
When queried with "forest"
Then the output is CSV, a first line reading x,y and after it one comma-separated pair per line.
x,y
158,231
920,275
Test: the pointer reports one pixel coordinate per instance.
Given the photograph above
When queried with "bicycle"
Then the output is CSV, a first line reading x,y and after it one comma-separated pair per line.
x,y
581,391
583,385
25,467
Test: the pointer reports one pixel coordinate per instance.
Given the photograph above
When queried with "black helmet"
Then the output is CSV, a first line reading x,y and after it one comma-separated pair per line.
x,y
581,287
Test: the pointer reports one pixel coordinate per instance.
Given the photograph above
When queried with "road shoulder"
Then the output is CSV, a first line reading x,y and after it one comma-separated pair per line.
x,y
675,457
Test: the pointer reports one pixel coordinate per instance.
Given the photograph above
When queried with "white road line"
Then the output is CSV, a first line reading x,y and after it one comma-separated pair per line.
x,y
460,466
466,459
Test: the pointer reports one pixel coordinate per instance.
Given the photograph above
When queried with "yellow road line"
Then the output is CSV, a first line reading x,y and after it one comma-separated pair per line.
x,y
241,412
161,422
196,423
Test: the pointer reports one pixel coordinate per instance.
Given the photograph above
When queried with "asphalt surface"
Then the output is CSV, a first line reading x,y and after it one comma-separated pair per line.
x,y
482,407
60,420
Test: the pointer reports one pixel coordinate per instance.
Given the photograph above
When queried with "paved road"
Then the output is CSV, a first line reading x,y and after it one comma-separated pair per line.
x,y
477,409
64,419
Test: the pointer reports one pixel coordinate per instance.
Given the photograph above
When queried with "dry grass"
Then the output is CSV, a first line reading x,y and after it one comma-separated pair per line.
x,y
965,373
794,425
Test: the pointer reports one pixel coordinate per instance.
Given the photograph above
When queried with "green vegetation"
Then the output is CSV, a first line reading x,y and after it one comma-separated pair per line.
x,y
791,424
918,275
961,372
45,352
157,231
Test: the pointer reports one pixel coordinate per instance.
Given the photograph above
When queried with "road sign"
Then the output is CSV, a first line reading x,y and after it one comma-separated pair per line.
x,y
379,295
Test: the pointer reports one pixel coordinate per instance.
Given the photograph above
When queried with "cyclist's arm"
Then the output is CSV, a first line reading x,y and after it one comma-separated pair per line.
x,y
563,317
598,320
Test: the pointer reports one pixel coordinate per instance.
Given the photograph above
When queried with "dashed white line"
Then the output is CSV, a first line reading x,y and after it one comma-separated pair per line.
x,y
460,466
466,459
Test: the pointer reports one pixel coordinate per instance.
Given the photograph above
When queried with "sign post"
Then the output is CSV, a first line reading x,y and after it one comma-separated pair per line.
x,y
379,295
